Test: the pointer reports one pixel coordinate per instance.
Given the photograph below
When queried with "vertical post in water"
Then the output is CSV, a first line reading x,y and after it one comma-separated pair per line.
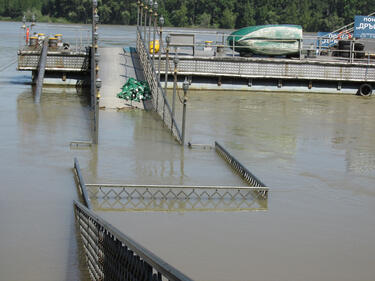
x,y
138,3
155,27
95,81
175,61
168,39
185,87
160,43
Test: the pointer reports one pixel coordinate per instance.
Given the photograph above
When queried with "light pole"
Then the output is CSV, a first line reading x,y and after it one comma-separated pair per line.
x,y
185,87
175,61
149,25
153,42
96,83
144,29
168,39
160,43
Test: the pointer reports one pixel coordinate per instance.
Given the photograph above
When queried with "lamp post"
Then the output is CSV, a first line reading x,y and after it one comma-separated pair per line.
x,y
96,83
175,61
168,40
161,20
145,21
149,25
185,87
155,27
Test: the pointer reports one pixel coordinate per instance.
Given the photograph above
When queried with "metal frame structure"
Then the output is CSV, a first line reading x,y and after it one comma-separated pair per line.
x,y
240,169
160,102
176,198
110,254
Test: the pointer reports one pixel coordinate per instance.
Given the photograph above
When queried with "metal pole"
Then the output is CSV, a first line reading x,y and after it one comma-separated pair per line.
x,y
166,64
95,81
185,87
153,44
160,43
138,3
141,18
175,61
149,27
144,26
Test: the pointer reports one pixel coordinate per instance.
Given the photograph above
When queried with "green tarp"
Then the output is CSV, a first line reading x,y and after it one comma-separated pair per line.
x,y
134,90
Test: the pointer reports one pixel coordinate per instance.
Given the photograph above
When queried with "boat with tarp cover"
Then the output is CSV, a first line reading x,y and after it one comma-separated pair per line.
x,y
272,40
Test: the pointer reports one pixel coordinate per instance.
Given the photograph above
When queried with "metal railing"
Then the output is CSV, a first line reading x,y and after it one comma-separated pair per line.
x,y
112,255
172,198
159,99
240,169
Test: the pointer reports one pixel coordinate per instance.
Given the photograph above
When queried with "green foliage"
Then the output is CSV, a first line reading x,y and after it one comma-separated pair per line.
x,y
317,15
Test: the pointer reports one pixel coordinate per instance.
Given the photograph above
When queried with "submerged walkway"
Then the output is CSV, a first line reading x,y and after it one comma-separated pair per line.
x,y
117,65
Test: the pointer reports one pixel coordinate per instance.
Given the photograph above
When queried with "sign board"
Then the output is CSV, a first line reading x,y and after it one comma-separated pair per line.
x,y
326,39
364,27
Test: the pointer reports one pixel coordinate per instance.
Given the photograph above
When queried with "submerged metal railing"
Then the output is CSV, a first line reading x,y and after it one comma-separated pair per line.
x,y
159,99
240,169
110,254
176,198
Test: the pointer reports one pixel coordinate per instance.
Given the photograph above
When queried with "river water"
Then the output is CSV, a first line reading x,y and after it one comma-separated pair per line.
x,y
315,152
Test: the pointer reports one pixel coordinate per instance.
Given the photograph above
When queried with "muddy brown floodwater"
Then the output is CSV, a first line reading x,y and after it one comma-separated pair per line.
x,y
315,152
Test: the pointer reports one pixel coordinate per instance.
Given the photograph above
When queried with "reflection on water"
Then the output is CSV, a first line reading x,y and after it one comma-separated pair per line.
x,y
315,152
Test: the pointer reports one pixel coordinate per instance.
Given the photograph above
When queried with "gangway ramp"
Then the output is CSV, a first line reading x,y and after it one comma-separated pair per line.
x,y
116,66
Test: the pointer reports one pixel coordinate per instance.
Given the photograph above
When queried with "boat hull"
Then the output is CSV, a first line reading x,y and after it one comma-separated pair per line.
x,y
271,40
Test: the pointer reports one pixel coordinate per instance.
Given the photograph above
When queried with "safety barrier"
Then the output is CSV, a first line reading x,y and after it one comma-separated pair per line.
x,y
240,169
110,254
160,102
175,198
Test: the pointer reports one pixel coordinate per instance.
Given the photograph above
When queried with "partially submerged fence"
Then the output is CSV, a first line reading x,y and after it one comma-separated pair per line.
x,y
159,98
110,254
241,169
176,198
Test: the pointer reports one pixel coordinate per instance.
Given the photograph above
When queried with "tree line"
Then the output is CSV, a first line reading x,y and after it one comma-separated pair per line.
x,y
316,15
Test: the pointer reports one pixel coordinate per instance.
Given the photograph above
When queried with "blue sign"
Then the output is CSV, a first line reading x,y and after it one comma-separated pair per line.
x,y
364,27
326,39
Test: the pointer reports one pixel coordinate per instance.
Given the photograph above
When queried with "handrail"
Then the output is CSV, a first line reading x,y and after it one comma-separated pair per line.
x,y
140,41
81,184
127,243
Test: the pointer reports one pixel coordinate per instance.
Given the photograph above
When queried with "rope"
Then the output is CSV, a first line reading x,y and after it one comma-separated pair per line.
x,y
8,65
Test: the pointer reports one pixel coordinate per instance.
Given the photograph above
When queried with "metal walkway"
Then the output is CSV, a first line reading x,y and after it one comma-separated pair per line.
x,y
117,65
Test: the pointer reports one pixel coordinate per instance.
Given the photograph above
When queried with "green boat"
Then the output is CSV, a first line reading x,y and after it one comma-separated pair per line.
x,y
271,40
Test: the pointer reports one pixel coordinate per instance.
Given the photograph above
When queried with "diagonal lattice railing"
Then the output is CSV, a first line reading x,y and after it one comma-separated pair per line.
x,y
175,198
110,254
241,169
159,99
